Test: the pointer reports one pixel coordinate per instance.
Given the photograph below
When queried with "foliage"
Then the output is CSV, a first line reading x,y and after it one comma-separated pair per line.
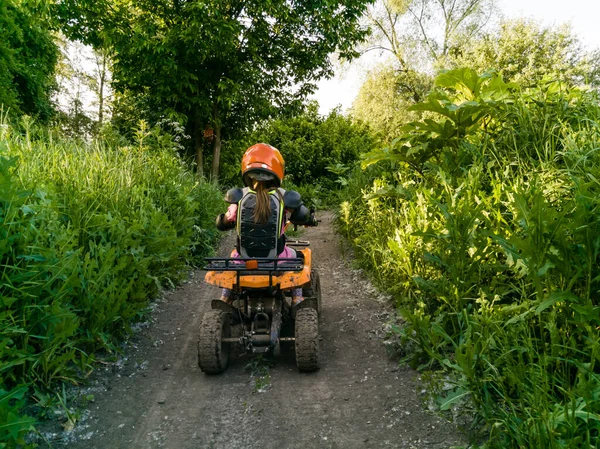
x,y
469,103
520,51
222,64
525,52
13,425
491,251
462,20
27,59
418,35
317,150
88,234
384,98
421,33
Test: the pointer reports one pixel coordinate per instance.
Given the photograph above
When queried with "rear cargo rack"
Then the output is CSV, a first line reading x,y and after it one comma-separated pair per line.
x,y
265,265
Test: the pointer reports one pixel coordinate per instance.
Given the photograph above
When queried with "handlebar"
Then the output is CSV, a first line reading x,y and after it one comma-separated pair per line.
x,y
313,222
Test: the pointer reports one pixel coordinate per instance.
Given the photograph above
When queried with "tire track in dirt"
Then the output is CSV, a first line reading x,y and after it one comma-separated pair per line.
x,y
158,398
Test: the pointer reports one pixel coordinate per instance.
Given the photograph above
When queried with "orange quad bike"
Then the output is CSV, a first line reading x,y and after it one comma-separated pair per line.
x,y
261,308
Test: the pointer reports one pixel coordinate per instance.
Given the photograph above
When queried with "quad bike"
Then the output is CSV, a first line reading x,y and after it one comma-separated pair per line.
x,y
262,310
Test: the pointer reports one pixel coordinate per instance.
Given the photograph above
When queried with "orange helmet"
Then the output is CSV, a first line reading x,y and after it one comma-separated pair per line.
x,y
262,162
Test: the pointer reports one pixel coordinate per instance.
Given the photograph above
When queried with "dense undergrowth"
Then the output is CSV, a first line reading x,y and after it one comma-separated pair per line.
x,y
483,220
88,234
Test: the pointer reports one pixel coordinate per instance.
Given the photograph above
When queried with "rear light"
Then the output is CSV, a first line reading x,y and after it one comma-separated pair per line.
x,y
251,264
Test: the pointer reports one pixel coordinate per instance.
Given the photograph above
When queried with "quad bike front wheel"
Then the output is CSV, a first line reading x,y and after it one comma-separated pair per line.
x,y
213,353
307,339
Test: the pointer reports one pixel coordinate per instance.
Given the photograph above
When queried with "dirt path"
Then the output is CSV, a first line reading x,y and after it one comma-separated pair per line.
x,y
158,398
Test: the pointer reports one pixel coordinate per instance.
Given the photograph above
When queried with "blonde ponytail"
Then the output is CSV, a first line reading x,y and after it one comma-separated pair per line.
x,y
262,212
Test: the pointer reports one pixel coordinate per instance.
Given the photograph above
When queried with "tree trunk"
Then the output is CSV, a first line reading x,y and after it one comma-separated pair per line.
x,y
101,92
216,144
216,153
199,144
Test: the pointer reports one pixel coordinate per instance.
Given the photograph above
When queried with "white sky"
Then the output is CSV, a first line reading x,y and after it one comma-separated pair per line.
x,y
583,15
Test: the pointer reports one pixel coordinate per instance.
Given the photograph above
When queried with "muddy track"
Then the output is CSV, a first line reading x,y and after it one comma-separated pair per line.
x,y
158,398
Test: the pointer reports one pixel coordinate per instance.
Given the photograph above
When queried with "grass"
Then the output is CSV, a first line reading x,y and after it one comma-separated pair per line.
x,y
88,234
259,369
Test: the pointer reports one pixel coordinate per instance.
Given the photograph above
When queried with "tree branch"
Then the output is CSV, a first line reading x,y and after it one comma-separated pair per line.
x,y
420,21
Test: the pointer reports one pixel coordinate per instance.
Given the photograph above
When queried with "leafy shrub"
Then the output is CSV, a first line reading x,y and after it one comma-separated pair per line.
x,y
88,234
484,224
12,424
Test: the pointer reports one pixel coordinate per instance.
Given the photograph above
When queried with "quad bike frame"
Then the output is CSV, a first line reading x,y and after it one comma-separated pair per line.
x,y
261,309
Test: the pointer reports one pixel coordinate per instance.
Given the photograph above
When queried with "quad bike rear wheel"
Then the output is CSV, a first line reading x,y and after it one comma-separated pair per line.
x,y
213,353
307,339
313,290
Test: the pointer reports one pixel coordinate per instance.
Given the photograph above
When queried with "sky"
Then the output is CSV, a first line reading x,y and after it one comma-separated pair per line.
x,y
583,15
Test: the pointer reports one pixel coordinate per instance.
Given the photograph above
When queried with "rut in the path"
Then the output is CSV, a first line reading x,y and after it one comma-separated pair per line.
x,y
358,399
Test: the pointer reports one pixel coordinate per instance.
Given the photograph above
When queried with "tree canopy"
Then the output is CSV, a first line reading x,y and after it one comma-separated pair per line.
x,y
524,52
28,56
521,51
419,36
220,64
385,96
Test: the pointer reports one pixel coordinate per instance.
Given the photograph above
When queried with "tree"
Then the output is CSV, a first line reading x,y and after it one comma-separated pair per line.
x,y
385,96
100,83
460,20
419,36
221,64
28,56
77,80
524,52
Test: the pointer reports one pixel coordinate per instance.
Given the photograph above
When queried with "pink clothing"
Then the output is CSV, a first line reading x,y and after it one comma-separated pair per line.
x,y
287,253
231,214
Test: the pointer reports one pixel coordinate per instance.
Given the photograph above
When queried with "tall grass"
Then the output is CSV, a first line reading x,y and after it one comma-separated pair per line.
x,y
88,234
490,244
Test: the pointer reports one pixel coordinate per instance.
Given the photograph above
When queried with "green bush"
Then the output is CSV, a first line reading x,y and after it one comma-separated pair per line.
x,y
88,233
485,226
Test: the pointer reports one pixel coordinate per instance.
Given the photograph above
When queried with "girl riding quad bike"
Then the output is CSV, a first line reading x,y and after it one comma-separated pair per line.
x,y
268,286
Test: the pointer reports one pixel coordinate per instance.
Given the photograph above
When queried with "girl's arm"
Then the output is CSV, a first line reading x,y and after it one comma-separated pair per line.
x,y
231,214
300,214
227,220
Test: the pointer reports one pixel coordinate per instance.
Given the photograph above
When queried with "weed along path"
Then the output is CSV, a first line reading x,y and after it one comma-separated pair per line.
x,y
157,397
